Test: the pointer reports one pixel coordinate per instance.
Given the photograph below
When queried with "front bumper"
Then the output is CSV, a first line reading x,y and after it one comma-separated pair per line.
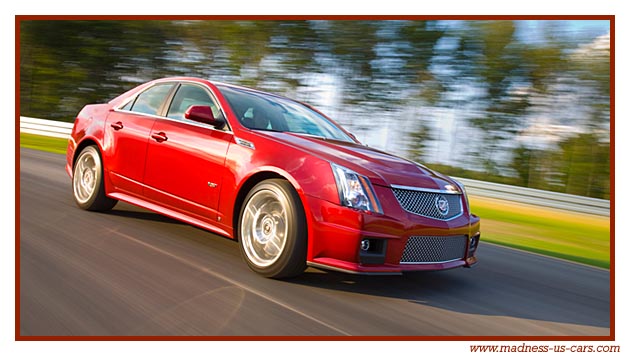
x,y
336,232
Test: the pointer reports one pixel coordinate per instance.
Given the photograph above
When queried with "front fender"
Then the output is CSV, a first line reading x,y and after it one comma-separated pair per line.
x,y
309,175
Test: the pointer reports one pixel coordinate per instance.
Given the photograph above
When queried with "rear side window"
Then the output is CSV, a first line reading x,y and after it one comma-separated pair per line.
x,y
150,101
127,106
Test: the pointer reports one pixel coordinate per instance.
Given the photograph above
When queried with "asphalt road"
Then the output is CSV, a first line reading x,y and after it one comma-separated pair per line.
x,y
133,272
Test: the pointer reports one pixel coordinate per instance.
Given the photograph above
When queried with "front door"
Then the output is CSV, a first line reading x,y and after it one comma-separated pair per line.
x,y
185,159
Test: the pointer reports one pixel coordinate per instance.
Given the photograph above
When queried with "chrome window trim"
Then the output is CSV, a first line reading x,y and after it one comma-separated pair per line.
x,y
428,190
133,97
126,101
198,124
185,121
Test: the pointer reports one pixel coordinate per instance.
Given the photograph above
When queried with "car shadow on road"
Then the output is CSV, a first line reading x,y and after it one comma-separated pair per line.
x,y
468,291
129,211
491,289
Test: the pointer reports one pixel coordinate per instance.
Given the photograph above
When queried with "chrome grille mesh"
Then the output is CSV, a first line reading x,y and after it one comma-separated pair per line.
x,y
434,249
424,203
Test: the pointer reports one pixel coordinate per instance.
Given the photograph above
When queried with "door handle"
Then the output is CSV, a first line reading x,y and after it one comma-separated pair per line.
x,y
159,137
117,125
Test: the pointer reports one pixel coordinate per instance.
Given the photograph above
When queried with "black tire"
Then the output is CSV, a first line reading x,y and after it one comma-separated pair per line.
x,y
272,230
87,182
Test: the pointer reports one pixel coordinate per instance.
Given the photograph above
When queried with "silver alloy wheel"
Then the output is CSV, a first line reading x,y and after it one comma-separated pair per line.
x,y
264,226
85,176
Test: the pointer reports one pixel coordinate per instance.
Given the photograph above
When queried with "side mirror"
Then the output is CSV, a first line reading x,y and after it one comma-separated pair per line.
x,y
204,115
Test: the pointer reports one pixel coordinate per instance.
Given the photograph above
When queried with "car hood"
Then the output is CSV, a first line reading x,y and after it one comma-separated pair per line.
x,y
380,167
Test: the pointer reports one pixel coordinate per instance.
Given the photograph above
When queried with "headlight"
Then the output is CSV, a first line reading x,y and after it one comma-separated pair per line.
x,y
355,191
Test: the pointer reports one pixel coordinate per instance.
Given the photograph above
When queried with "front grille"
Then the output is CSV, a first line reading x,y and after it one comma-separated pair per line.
x,y
424,203
434,249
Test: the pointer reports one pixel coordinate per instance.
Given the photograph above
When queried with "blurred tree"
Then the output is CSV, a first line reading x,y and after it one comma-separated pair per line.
x,y
491,57
419,139
590,65
567,76
351,50
535,168
419,85
66,64
585,163
382,77
523,164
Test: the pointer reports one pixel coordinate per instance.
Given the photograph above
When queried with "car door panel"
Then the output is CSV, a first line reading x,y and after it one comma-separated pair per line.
x,y
125,146
126,135
185,166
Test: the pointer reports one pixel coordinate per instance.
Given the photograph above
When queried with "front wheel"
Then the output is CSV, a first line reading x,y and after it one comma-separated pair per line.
x,y
87,182
272,231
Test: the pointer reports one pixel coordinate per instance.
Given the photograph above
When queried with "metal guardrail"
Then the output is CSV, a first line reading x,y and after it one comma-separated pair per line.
x,y
45,127
537,197
473,187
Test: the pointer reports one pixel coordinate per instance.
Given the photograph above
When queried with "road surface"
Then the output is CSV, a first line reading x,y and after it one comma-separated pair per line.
x,y
131,272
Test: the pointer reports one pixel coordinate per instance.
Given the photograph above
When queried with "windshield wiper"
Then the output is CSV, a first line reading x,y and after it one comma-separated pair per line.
x,y
309,135
271,130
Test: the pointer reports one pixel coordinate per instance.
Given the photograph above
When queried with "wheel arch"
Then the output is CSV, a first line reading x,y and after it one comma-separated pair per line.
x,y
86,141
97,200
250,182
92,141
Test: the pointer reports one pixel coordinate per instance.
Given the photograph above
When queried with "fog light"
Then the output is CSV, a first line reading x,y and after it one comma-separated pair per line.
x,y
372,251
472,245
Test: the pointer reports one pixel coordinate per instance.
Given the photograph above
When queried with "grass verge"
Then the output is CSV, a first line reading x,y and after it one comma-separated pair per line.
x,y
43,143
571,236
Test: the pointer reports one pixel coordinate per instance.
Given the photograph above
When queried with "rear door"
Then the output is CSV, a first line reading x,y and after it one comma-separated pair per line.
x,y
127,132
185,159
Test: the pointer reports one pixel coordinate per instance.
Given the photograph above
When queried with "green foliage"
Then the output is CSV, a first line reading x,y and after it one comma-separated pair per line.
x,y
580,166
379,69
585,162
472,174
499,65
419,139
67,64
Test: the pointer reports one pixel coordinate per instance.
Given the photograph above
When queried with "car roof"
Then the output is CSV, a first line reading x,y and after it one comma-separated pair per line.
x,y
218,83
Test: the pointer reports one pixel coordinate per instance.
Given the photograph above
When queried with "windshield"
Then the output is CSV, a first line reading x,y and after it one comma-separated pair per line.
x,y
259,111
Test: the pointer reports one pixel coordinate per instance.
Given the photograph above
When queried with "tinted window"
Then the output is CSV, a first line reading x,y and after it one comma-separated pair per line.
x,y
127,106
149,101
188,95
261,111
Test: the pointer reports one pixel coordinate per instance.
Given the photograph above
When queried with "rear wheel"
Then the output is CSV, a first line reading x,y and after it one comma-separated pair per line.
x,y
87,182
272,230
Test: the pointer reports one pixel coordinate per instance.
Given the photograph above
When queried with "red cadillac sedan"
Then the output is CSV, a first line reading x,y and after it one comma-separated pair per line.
x,y
288,183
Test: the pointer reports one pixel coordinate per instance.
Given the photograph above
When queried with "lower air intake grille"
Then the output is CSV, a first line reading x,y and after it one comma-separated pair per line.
x,y
434,249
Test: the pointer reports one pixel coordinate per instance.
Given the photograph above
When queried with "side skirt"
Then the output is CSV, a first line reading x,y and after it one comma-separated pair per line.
x,y
168,212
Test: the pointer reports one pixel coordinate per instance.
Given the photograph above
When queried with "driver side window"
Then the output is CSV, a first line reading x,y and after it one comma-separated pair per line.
x,y
188,95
